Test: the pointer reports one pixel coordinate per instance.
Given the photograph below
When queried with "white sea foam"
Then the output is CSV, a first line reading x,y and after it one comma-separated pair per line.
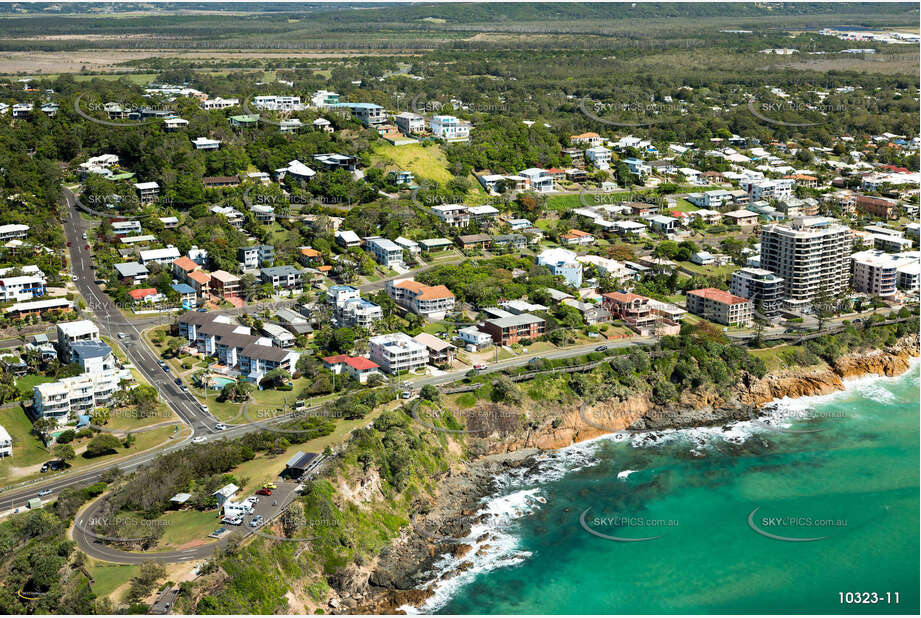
x,y
498,550
511,503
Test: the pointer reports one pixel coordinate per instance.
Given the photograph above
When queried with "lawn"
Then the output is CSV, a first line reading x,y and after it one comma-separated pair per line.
x,y
108,577
711,270
28,450
423,161
25,383
181,527
682,205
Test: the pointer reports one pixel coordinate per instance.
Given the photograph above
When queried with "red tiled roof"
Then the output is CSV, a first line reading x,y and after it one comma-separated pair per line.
x,y
719,296
199,276
185,264
360,363
139,294
623,297
335,360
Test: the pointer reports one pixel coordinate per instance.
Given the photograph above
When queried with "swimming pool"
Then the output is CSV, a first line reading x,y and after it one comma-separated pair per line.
x,y
220,383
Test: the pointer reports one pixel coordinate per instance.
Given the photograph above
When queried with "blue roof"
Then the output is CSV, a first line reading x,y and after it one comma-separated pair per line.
x,y
183,288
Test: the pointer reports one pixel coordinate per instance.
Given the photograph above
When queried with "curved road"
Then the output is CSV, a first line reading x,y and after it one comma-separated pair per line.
x,y
92,545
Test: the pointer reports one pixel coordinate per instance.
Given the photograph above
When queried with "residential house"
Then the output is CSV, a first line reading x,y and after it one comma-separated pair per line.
x,y
254,256
576,237
205,143
358,367
385,251
449,128
187,295
590,139
633,309
742,218
410,123
348,239
39,308
538,179
296,170
474,339
474,241
148,192
662,224
599,156
592,313
441,353
225,285
455,215
73,332
431,302
159,256
282,277
281,337
562,263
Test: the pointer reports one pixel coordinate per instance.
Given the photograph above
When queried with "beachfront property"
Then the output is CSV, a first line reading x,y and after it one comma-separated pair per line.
x,y
397,352
811,255
762,287
511,329
720,306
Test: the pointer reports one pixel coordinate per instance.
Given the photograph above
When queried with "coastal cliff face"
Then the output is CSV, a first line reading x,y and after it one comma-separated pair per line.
x,y
802,382
507,436
706,407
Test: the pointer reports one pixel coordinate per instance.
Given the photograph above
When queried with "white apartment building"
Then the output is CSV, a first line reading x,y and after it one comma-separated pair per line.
x,y
29,284
359,312
397,352
72,332
600,156
79,394
762,287
6,443
882,274
219,103
426,300
455,215
278,103
449,128
386,252
781,189
409,123
811,255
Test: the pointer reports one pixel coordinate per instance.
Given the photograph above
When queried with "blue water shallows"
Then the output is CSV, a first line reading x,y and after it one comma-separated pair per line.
x,y
729,513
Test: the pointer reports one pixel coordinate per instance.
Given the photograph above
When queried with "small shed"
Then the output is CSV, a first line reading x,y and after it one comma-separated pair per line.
x,y
299,464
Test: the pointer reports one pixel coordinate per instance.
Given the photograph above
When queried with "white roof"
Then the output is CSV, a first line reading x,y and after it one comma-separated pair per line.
x,y
146,185
5,435
348,236
227,490
160,254
739,214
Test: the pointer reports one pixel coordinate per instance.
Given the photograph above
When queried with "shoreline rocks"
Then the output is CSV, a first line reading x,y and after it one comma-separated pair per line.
x,y
408,562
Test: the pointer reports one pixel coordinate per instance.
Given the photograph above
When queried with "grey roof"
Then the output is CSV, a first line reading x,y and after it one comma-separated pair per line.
x,y
515,320
264,352
90,349
131,269
279,271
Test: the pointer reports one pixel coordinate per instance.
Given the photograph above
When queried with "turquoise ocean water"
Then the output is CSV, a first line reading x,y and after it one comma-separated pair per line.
x,y
845,471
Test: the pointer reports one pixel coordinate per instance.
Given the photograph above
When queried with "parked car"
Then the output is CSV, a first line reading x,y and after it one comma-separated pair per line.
x,y
265,491
406,394
234,520
69,243
179,381
601,348
256,521
479,366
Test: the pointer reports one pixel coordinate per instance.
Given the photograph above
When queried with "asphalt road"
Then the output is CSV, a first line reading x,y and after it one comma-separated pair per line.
x,y
268,506
112,322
